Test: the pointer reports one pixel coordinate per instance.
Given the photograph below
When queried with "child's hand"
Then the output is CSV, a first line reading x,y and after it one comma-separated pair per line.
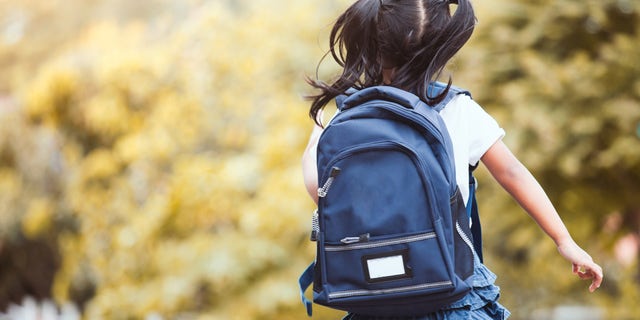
x,y
583,265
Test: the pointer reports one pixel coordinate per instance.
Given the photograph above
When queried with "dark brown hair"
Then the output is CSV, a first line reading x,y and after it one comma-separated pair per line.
x,y
416,37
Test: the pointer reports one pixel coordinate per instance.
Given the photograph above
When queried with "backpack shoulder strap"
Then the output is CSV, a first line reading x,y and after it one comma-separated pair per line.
x,y
472,212
305,281
435,88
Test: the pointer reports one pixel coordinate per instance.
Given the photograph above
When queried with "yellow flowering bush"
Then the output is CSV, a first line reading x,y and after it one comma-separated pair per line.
x,y
155,145
177,147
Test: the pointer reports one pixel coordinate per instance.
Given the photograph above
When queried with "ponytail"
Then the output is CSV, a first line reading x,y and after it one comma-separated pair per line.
x,y
354,46
417,38
443,38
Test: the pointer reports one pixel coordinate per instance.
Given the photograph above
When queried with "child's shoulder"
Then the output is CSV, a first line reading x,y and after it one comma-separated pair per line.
x,y
461,103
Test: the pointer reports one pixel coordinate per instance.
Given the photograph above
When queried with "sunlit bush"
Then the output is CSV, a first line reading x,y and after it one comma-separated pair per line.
x,y
177,149
158,143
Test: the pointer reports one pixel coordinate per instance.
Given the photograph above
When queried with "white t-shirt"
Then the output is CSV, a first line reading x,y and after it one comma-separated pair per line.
x,y
473,131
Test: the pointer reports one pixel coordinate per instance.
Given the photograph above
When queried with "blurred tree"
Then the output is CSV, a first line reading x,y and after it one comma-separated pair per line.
x,y
161,154
157,146
566,89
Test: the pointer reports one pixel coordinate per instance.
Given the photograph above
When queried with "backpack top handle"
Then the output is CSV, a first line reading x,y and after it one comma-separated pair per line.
x,y
387,93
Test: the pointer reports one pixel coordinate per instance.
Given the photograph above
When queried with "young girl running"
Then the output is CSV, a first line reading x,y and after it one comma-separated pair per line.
x,y
406,44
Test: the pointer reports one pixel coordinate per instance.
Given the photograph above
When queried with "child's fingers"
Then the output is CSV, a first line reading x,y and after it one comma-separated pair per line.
x,y
583,265
597,278
576,268
595,284
591,271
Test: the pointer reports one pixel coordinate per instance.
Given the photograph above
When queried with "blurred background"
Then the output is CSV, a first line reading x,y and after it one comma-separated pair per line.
x,y
150,154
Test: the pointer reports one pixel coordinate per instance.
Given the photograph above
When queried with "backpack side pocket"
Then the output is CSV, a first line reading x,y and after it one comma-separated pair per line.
x,y
462,237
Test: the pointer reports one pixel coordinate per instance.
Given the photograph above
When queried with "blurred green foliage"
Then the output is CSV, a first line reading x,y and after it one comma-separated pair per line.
x,y
156,146
562,78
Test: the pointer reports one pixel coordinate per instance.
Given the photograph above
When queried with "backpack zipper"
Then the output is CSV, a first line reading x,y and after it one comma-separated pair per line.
x,y
356,293
362,238
315,226
377,243
464,237
322,192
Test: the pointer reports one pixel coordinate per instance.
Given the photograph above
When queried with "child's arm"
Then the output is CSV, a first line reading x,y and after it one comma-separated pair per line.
x,y
525,189
309,165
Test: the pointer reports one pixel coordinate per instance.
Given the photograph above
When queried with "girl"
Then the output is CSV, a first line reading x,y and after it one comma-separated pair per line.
x,y
406,44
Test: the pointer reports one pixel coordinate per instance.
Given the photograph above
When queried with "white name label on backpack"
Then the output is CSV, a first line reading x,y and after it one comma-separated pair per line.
x,y
386,267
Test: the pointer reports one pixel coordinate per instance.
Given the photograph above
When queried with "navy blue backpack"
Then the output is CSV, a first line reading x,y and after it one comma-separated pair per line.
x,y
391,228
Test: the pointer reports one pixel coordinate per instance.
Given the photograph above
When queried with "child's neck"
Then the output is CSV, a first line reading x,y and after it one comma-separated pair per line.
x,y
388,74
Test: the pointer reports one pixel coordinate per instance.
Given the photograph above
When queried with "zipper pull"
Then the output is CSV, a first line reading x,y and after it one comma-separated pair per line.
x,y
361,238
315,226
322,192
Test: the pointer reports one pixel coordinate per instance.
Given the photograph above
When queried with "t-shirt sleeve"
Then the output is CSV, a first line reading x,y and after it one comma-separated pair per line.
x,y
484,131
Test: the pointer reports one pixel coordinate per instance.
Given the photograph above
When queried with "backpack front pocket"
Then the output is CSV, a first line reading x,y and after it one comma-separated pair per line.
x,y
385,265
361,187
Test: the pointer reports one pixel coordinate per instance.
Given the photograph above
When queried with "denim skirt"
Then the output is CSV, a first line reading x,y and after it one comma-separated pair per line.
x,y
481,303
